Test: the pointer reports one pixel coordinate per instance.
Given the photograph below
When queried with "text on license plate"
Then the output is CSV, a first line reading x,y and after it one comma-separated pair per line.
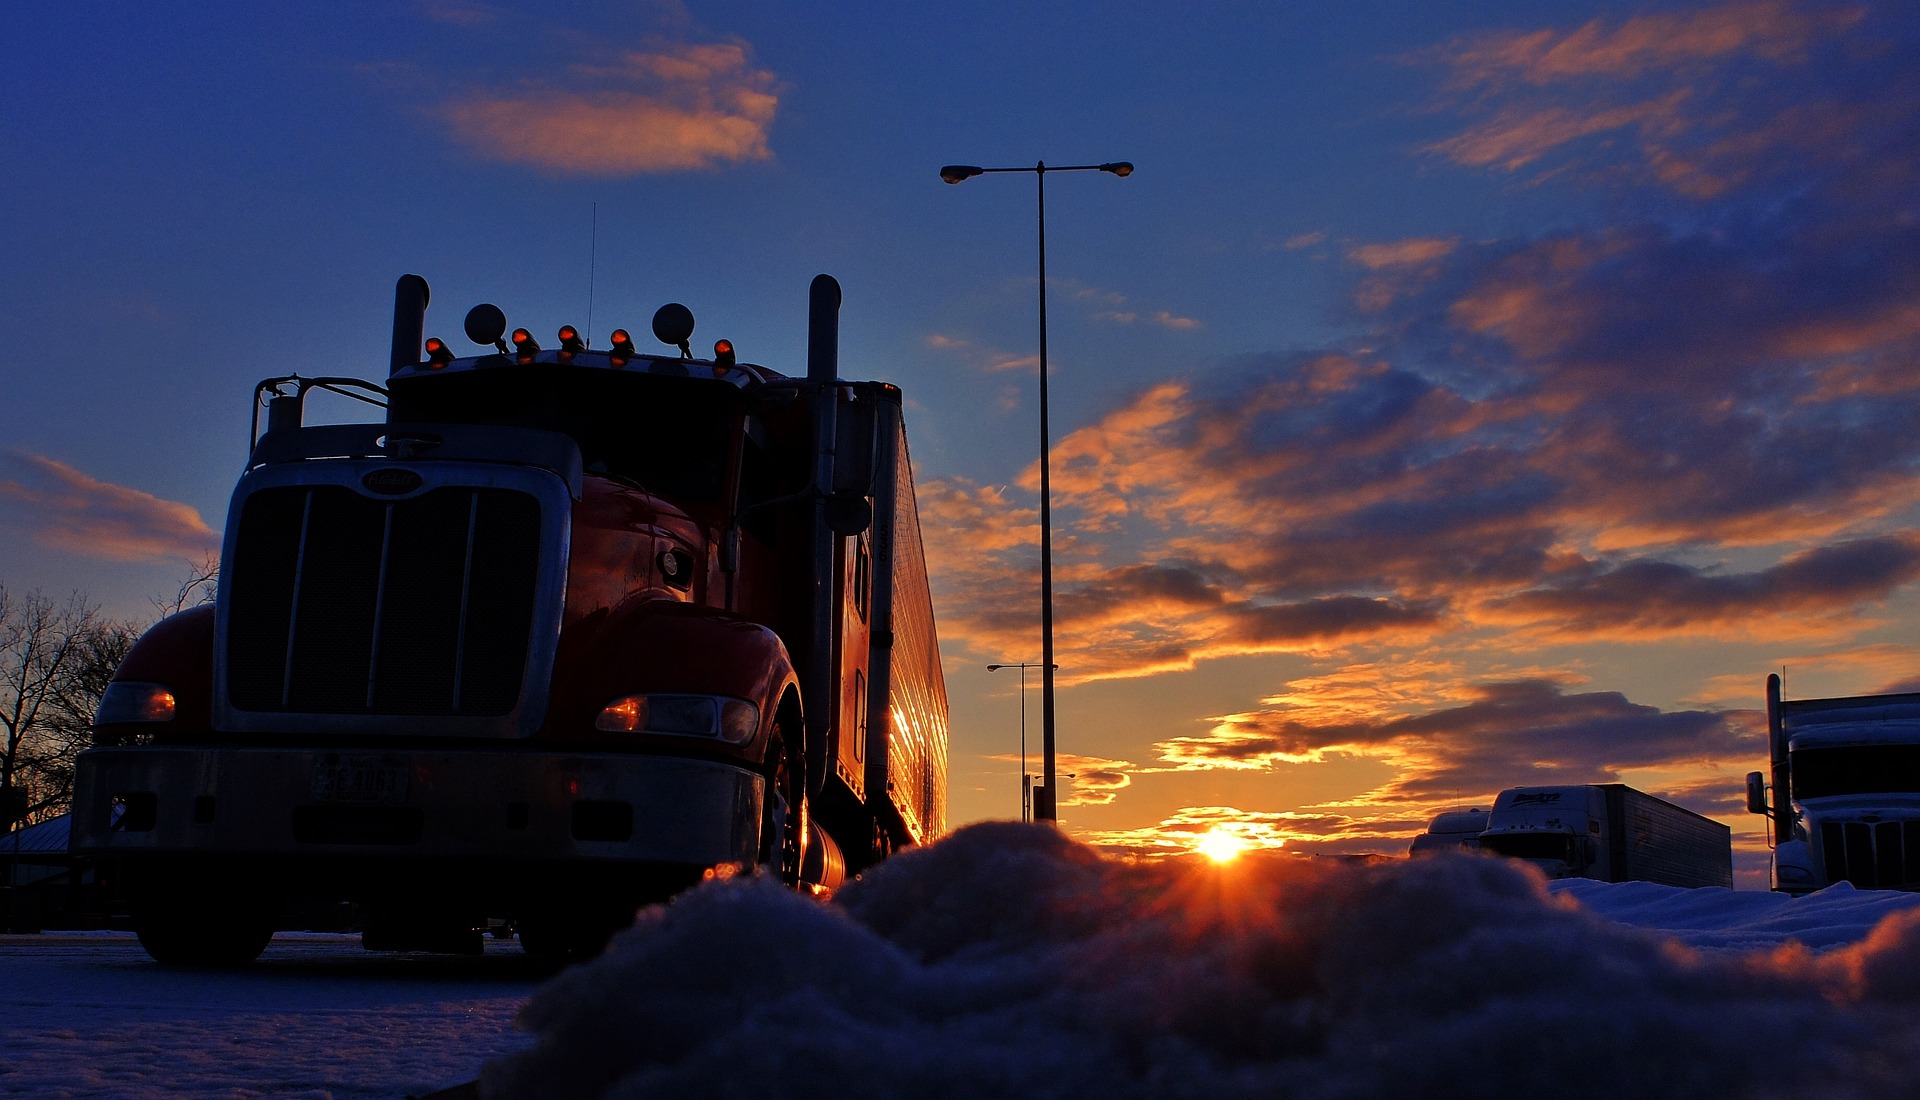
x,y
354,780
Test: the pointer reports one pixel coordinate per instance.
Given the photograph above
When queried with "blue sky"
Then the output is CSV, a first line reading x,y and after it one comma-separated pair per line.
x,y
1457,395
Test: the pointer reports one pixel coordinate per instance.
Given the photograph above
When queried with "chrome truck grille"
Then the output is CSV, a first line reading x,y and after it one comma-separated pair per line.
x,y
1883,855
340,603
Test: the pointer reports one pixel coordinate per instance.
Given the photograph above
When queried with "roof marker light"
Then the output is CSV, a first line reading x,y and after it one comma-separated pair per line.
x,y
723,354
570,341
438,353
622,347
524,345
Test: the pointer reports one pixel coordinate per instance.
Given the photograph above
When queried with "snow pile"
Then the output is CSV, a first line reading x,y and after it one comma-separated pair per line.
x,y
1008,961
1727,920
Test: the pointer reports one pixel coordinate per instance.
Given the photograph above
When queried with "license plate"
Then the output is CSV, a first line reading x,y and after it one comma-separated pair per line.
x,y
360,780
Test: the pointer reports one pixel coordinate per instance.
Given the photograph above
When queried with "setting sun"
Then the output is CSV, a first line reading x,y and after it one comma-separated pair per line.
x,y
1220,845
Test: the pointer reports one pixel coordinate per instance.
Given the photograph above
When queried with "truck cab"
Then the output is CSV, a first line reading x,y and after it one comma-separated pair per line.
x,y
1846,791
564,632
1451,831
1560,830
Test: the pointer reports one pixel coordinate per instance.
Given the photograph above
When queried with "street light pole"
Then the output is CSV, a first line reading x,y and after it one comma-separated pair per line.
x,y
958,173
1026,781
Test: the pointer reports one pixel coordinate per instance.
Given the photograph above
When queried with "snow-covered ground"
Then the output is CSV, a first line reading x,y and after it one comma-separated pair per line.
x,y
88,1015
1006,961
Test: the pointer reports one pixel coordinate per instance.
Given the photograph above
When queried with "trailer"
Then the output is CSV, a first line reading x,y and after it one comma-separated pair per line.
x,y
564,632
1610,832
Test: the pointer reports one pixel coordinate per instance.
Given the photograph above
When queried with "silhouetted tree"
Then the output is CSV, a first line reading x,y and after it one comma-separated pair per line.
x,y
55,662
197,587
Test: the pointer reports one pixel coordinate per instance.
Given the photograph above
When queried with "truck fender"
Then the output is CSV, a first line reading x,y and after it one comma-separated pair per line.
x,y
177,653
661,646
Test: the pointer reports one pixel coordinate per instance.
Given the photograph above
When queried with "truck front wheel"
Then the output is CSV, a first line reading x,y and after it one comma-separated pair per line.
x,y
193,935
783,828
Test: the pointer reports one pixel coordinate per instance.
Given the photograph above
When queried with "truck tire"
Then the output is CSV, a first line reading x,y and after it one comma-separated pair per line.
x,y
182,936
784,821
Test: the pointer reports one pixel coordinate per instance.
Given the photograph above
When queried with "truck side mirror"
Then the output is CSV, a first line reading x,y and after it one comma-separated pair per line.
x,y
1756,792
848,514
857,430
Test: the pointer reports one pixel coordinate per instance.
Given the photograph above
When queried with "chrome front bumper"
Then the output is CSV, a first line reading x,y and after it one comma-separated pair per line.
x,y
486,804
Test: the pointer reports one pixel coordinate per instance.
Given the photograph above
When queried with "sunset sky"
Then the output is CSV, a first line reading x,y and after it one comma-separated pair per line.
x,y
1458,395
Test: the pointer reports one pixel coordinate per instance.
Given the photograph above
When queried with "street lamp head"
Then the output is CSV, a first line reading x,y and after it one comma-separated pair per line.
x,y
995,668
1121,168
954,173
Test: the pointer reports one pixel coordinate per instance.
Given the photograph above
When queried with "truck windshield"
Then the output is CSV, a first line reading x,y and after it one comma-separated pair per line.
x,y
1527,845
1856,769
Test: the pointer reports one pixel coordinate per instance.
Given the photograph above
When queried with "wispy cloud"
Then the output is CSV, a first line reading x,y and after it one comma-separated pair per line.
x,y
672,108
1179,833
1776,30
1088,780
1414,250
1696,98
67,510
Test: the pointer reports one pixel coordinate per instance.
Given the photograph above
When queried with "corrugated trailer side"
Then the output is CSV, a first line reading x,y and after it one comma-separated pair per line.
x,y
1656,841
909,691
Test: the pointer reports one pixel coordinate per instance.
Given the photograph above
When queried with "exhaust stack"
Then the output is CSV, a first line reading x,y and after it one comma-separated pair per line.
x,y
410,296
823,329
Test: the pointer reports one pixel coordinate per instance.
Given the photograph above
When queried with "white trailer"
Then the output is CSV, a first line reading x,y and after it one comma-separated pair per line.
x,y
1610,832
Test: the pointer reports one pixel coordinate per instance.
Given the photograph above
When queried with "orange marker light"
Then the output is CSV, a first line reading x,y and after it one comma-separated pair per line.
x,y
570,341
622,347
438,353
723,353
525,345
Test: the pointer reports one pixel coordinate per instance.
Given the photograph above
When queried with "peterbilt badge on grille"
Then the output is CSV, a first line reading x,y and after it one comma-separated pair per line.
x,y
392,481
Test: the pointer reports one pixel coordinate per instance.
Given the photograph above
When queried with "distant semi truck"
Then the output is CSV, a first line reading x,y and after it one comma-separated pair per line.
x,y
1610,832
1451,831
1846,791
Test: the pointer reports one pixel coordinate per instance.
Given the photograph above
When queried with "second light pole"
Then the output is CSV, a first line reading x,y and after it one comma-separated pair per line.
x,y
1043,809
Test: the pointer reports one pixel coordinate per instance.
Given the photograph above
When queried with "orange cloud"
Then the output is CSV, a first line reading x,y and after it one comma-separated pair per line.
x,y
1776,30
691,107
67,510
1414,250
1680,86
1472,740
1179,834
1516,138
1089,780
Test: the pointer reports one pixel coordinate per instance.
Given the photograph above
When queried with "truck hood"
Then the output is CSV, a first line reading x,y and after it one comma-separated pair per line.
x,y
1884,806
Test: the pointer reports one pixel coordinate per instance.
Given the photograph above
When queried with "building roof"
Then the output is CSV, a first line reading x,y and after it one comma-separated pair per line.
x,y
49,837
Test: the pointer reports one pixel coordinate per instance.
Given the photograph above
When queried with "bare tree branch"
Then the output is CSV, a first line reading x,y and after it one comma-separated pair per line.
x,y
55,661
196,588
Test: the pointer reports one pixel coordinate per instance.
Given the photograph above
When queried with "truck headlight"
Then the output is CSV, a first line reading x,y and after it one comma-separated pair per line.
x,y
134,701
734,721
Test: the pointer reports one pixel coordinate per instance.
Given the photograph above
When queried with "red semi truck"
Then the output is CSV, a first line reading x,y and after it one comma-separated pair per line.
x,y
565,632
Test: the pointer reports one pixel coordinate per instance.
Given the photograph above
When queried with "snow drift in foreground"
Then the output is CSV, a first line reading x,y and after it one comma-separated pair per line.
x,y
1010,961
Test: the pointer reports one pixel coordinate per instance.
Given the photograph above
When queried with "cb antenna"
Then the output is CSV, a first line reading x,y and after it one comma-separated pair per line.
x,y
593,255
